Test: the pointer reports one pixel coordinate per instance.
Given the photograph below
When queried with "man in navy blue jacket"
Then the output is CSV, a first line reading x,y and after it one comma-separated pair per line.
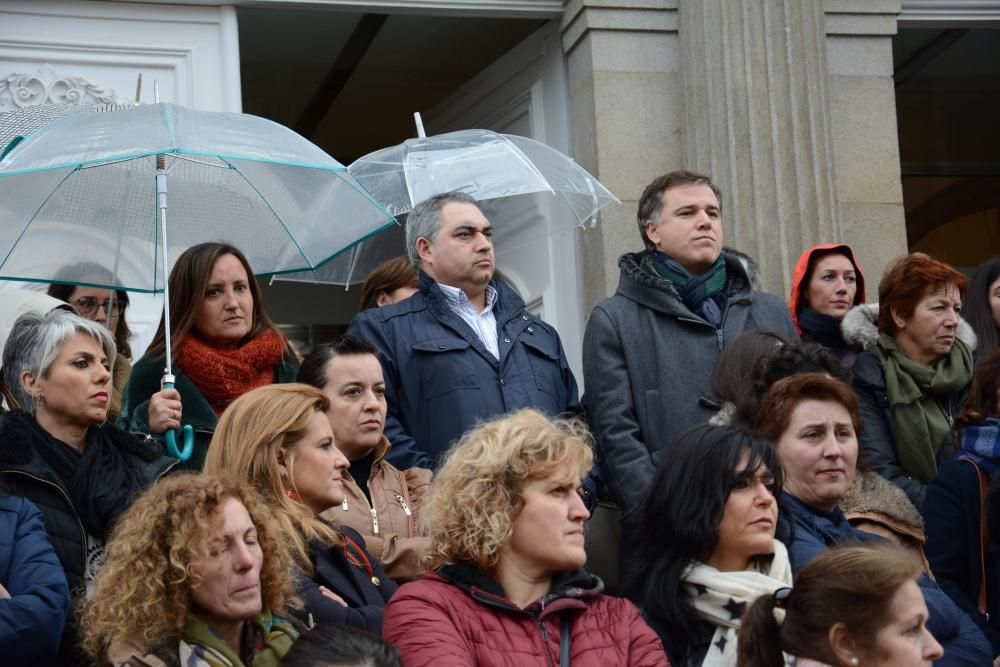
x,y
463,348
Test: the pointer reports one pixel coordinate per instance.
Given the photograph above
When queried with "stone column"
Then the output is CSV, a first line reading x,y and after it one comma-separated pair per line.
x,y
787,104
757,120
625,89
862,103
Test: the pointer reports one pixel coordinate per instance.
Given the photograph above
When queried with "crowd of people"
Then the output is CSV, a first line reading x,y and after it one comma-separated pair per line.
x,y
807,482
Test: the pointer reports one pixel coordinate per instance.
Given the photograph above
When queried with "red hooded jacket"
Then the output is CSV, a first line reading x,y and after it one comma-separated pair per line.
x,y
802,267
460,618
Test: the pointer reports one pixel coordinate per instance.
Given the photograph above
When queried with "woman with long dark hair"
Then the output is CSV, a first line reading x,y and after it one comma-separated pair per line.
x,y
982,308
223,345
708,547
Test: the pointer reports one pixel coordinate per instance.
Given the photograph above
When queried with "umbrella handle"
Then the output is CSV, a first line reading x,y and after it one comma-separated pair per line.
x,y
187,434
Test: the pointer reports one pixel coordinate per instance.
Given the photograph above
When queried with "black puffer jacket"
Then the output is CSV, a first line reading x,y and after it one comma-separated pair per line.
x,y
23,472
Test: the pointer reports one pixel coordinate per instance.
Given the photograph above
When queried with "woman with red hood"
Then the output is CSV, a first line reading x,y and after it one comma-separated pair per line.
x,y
826,284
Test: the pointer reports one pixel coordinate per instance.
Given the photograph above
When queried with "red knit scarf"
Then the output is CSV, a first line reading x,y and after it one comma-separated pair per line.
x,y
224,374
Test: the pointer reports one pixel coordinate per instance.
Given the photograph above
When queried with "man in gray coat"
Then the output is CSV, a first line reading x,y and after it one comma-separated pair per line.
x,y
648,351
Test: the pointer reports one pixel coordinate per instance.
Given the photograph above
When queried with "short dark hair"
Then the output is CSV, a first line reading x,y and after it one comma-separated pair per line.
x,y
424,221
651,201
313,368
781,362
679,520
339,646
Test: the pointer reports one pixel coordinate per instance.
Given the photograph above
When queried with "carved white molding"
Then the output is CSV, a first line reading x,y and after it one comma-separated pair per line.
x,y
19,90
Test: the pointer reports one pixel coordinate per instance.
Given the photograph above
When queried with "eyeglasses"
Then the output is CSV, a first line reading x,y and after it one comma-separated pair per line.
x,y
88,305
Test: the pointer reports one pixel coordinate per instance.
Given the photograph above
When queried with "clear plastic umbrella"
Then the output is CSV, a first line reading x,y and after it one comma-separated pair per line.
x,y
94,187
481,163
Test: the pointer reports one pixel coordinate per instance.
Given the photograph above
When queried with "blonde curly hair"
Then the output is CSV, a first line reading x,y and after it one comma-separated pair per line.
x,y
142,593
250,434
477,493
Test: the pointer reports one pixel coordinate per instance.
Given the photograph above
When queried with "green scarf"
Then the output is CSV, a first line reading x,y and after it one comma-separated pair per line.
x,y
916,393
273,636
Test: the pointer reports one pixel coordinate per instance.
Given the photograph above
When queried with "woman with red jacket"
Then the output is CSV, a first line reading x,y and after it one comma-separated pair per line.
x,y
826,284
507,588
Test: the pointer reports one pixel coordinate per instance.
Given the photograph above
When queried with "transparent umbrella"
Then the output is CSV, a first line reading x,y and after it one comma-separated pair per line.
x,y
94,187
481,163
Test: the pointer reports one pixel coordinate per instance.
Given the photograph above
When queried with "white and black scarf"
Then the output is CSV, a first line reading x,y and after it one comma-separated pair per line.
x,y
721,598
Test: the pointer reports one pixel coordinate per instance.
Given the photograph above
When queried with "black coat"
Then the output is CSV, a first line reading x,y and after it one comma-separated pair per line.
x,y
440,379
23,472
365,600
952,519
878,441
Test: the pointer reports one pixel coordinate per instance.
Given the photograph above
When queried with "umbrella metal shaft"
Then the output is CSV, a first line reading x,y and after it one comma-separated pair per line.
x,y
161,201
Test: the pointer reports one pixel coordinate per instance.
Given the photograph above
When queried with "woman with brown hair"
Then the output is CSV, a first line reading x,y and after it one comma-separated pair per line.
x,y
103,306
958,542
813,421
278,438
196,574
391,282
915,372
223,345
850,606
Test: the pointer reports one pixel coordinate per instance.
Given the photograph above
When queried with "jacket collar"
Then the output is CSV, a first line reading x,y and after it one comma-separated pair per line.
x,y
18,429
639,282
860,328
507,305
569,589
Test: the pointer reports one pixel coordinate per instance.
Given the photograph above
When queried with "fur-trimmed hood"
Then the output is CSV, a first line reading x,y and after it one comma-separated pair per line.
x,y
860,328
872,494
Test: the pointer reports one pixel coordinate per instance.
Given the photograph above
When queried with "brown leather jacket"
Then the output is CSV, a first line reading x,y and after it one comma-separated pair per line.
x,y
390,530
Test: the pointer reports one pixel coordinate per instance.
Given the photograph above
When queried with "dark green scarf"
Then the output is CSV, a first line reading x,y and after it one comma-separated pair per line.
x,y
266,640
916,393
697,292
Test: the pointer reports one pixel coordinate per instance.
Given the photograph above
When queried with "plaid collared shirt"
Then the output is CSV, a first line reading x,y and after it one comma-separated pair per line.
x,y
484,323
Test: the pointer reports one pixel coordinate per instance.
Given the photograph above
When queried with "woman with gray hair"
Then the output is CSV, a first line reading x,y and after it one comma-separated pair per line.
x,y
59,451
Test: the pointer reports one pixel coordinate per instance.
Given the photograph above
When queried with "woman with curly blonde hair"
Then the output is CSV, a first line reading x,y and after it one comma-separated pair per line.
x,y
506,522
278,438
195,574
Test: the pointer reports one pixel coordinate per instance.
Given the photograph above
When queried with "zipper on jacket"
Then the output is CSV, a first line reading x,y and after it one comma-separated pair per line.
x,y
402,503
76,515
345,507
545,642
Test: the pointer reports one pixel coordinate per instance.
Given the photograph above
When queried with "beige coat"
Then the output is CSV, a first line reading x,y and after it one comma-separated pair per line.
x,y
390,529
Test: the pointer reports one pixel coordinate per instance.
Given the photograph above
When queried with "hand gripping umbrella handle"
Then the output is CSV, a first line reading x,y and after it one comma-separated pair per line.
x,y
187,434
